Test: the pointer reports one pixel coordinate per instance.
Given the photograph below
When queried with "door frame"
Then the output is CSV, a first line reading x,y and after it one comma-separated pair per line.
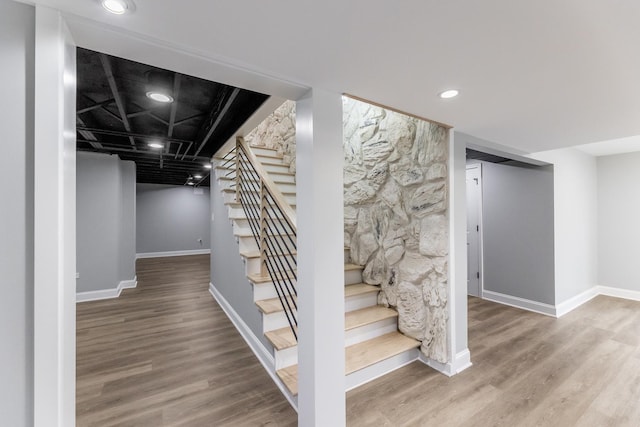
x,y
469,167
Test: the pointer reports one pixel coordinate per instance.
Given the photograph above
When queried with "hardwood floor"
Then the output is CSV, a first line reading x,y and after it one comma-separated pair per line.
x,y
529,370
165,354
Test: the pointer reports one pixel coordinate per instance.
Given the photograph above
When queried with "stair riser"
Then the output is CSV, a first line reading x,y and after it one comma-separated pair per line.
x,y
284,187
259,152
372,330
273,321
253,264
278,320
383,367
286,357
247,244
358,302
275,168
221,172
242,225
352,276
266,290
231,197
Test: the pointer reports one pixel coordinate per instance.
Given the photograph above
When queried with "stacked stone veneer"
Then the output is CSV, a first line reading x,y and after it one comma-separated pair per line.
x,y
396,219
278,131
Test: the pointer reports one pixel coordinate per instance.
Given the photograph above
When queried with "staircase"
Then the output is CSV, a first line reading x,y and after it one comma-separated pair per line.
x,y
373,344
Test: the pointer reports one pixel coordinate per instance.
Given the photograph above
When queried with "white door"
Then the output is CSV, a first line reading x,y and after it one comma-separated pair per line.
x,y
474,197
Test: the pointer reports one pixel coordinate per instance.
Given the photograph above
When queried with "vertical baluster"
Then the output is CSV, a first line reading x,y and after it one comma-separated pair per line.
x,y
237,178
263,229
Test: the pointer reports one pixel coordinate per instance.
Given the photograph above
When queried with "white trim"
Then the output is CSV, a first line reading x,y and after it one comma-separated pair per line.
x,y
565,307
106,293
619,293
461,361
524,304
480,208
576,301
172,253
265,358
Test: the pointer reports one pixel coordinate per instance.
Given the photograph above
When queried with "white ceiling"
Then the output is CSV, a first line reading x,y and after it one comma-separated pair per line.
x,y
533,75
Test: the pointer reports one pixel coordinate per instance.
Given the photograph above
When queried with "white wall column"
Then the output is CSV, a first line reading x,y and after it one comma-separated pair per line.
x,y
54,222
321,366
460,357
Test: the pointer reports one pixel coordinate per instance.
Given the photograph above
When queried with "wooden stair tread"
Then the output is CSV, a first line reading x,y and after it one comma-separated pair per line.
x,y
273,305
350,267
281,338
256,254
359,289
289,377
235,204
370,352
259,278
359,356
276,180
366,316
233,190
249,233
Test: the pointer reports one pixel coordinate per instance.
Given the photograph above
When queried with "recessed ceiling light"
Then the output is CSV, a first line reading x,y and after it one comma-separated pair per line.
x,y
155,145
198,176
160,97
190,183
451,93
207,166
117,7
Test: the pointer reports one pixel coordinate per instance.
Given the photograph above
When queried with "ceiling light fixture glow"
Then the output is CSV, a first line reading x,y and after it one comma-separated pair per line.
x,y
155,145
190,183
160,97
451,93
208,166
198,176
117,7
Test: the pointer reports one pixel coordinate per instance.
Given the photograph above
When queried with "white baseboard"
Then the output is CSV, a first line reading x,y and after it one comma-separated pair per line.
x,y
576,301
564,307
619,293
172,253
525,304
263,355
460,362
106,293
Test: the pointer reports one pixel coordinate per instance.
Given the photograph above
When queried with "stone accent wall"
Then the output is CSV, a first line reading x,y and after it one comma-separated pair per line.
x,y
278,131
396,219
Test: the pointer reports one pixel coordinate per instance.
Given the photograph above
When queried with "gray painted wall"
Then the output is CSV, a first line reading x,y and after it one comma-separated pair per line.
x,y
17,29
172,218
619,221
518,234
104,221
227,268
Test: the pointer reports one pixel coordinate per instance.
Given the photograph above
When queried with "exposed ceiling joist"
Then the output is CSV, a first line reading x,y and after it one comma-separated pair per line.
x,y
218,116
106,64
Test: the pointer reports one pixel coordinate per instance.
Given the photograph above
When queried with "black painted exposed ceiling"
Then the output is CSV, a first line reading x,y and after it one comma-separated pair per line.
x,y
115,116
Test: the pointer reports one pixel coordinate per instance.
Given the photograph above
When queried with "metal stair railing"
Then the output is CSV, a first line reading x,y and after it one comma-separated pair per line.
x,y
272,222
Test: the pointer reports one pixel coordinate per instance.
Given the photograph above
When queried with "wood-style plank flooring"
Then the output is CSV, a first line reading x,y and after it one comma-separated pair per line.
x,y
165,354
529,370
